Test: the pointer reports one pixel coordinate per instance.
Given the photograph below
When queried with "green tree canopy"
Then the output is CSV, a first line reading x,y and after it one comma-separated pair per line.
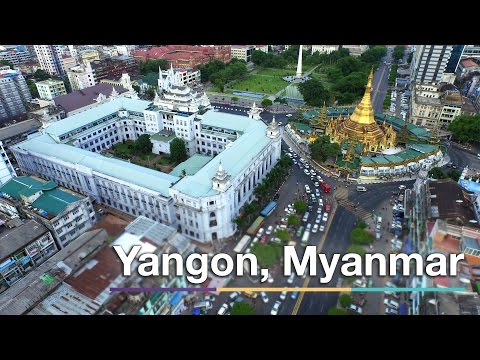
x,y
398,52
313,92
242,308
7,63
152,65
345,300
356,249
466,128
293,220
266,102
41,75
300,206
33,88
454,174
322,149
336,311
283,235
360,237
267,254
437,173
178,150
143,145
234,99
374,54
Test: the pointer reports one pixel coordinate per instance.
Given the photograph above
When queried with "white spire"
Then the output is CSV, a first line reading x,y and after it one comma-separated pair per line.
x,y
220,168
299,63
273,120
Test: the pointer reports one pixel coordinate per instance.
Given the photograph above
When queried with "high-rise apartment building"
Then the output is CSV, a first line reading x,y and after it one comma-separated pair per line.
x,y
429,63
14,93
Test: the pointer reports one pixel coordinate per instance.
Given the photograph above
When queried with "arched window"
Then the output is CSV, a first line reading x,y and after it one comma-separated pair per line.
x,y
212,214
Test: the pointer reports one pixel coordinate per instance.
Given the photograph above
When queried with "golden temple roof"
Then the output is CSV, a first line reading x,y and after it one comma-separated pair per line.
x,y
363,113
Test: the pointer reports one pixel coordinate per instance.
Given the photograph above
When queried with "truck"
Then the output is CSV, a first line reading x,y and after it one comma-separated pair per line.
x,y
253,229
325,187
268,209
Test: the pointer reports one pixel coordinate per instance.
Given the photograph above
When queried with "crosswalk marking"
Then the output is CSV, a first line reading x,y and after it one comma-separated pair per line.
x,y
358,211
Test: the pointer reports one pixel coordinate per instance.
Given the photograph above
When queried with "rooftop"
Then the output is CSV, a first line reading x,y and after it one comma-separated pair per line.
x,y
17,238
120,169
446,196
79,120
32,288
469,63
234,158
49,82
53,200
163,135
192,165
19,128
81,98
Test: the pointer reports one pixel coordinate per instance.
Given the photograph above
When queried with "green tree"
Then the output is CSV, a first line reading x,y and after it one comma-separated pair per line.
x,y
410,57
41,75
362,224
466,128
242,308
150,92
322,149
374,54
345,300
143,145
356,249
398,52
267,254
6,63
300,206
136,88
293,220
152,65
313,92
178,150
336,311
437,173
234,99
259,57
360,237
283,235
266,102
454,174
33,88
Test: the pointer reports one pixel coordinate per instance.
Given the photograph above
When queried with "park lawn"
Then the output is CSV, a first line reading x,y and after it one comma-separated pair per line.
x,y
124,149
266,81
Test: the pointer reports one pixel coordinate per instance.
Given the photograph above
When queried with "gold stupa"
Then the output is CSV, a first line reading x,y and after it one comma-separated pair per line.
x,y
361,126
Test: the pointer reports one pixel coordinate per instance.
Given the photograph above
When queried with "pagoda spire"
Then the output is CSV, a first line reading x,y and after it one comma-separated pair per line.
x,y
363,113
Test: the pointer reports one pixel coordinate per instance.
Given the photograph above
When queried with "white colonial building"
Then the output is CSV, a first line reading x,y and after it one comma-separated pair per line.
x,y
202,202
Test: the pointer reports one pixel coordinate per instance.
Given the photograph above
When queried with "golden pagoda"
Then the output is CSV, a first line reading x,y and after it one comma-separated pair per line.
x,y
361,126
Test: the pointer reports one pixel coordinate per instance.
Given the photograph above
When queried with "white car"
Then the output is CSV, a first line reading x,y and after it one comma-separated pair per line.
x,y
269,230
315,228
270,279
306,172
391,311
322,228
391,303
260,232
223,310
402,187
264,297
390,284
325,217
318,219
275,308
290,279
283,295
313,172
288,115
316,184
355,308
319,209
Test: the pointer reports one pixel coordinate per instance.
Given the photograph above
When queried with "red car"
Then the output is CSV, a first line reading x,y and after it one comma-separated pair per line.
x,y
264,239
327,208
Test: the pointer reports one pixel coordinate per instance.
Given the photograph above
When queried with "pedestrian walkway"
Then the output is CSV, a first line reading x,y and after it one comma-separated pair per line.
x,y
356,210
341,193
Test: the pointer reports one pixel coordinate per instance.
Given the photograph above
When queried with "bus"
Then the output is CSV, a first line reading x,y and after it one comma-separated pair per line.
x,y
242,244
325,187
305,237
253,229
268,209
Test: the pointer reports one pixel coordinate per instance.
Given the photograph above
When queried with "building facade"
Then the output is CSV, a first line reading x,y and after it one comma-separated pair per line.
x,y
50,59
472,51
22,249
202,205
15,56
81,77
429,63
49,89
7,172
14,93
324,49
356,50
113,68
242,52
65,214
188,77
433,107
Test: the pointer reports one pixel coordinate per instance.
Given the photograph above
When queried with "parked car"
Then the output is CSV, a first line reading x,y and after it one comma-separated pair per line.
x,y
223,310
276,308
355,308
315,228
264,297
283,295
391,311
391,303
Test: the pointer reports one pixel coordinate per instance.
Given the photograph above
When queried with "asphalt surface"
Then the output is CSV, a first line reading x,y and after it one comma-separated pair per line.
x,y
462,158
380,83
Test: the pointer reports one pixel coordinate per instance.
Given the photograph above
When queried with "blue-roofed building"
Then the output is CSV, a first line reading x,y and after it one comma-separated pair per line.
x,y
230,155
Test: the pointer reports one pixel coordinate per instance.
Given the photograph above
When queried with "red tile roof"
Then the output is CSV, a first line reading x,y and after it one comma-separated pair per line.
x,y
469,63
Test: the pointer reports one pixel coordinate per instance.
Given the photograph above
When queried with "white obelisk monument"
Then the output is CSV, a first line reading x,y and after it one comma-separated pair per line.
x,y
299,64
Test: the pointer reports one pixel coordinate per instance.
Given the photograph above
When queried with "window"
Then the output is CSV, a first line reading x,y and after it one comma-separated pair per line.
x,y
212,214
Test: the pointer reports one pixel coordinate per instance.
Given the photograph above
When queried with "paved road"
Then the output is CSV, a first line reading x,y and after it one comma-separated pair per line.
x,y
461,158
380,83
338,241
